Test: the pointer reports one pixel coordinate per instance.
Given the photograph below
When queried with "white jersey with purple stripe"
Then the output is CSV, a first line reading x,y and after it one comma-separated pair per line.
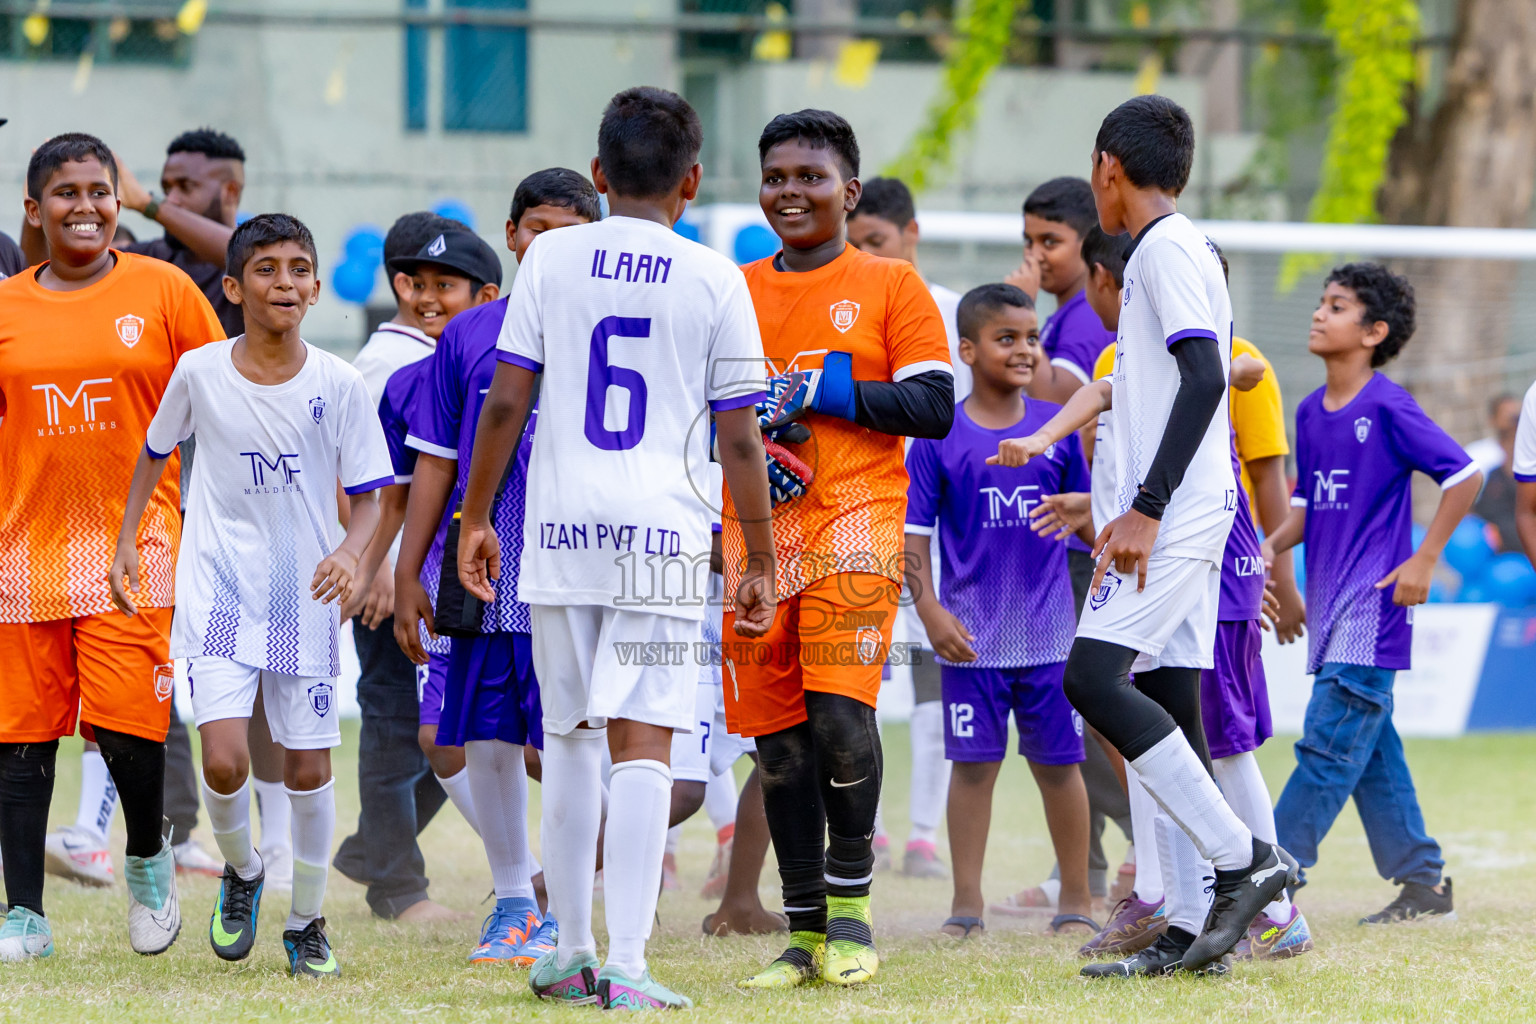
x,y
396,408
1524,466
639,332
443,419
1174,289
1242,563
1006,583
261,511
1353,470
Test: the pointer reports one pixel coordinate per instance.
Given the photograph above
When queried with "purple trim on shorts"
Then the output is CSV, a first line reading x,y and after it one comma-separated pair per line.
x,y
737,402
503,356
1526,478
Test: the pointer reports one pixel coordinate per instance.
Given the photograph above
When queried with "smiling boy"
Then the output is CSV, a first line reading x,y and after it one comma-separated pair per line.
x,y
860,354
71,417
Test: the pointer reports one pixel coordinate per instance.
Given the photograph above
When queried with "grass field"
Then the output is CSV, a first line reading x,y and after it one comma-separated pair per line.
x,y
1479,797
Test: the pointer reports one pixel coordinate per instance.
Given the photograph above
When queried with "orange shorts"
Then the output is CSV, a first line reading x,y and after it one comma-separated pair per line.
x,y
111,669
832,637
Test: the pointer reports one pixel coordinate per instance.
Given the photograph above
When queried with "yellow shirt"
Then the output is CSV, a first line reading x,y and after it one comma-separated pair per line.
x,y
1258,416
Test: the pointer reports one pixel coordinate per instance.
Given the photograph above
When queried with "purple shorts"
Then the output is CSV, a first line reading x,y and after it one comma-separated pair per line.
x,y
490,692
1234,701
430,679
977,702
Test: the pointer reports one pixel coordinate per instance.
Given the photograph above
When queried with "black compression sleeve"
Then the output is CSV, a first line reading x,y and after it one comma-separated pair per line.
x,y
1201,384
923,405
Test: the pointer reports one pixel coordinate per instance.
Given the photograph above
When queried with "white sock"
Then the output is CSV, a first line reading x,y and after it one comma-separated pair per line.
x,y
314,826
230,817
498,781
1144,812
568,831
276,816
673,835
1186,876
930,771
1243,785
720,799
98,796
632,850
1173,774
457,788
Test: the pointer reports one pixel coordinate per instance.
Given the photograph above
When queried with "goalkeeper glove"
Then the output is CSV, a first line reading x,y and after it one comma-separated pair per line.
x,y
788,476
829,390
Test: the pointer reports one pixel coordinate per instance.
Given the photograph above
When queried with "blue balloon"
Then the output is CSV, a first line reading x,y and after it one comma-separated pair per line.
x,y
453,209
1468,551
1299,560
1510,580
353,280
1418,536
1472,593
754,242
1439,593
688,230
243,216
366,244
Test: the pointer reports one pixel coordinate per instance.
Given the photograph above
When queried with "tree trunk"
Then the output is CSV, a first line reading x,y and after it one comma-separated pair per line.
x,y
1471,164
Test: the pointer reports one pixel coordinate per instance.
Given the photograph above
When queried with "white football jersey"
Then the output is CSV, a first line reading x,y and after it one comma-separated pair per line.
x,y
1524,467
261,512
639,333
948,301
1174,289
1102,488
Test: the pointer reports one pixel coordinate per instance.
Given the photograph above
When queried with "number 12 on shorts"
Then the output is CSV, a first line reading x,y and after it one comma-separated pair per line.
x,y
960,716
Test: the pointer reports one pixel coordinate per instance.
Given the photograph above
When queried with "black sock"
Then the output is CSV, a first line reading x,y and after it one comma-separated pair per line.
x,y
850,764
1261,852
26,790
138,770
796,822
1180,937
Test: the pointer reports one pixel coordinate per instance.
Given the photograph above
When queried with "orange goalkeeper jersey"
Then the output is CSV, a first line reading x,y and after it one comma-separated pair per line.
x,y
81,374
880,311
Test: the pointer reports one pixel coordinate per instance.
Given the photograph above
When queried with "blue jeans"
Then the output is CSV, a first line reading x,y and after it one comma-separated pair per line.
x,y
1349,748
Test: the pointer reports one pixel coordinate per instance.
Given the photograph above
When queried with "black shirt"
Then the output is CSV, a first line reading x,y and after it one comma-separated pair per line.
x,y
1497,505
209,277
12,262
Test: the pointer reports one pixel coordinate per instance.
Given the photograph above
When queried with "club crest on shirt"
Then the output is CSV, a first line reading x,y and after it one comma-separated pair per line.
x,y
130,329
165,682
1362,429
867,642
844,315
1108,587
317,408
438,247
320,698
1050,451
1125,298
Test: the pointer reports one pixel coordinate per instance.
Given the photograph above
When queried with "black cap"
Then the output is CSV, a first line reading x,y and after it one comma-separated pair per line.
x,y
461,251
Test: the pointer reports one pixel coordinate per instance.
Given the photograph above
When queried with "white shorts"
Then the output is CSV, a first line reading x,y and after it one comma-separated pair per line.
x,y
691,750
725,747
595,663
1172,622
301,710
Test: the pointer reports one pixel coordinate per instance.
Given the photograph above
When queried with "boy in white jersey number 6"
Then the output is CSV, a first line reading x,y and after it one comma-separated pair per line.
x,y
279,425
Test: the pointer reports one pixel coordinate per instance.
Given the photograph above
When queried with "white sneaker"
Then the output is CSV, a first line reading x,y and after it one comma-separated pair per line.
x,y
154,911
278,862
25,936
76,854
193,859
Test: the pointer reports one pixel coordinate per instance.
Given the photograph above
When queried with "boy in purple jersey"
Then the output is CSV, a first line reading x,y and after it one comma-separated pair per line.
x,y
490,699
1359,439
994,664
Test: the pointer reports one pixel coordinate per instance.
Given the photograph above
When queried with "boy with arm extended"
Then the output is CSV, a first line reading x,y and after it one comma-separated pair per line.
x,y
1359,439
1174,503
69,416
992,559
280,425
622,306
480,697
864,361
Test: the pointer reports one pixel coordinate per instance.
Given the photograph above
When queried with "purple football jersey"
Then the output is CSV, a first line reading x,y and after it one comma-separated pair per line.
x,y
401,391
442,422
1008,584
1353,469
1072,338
1242,563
